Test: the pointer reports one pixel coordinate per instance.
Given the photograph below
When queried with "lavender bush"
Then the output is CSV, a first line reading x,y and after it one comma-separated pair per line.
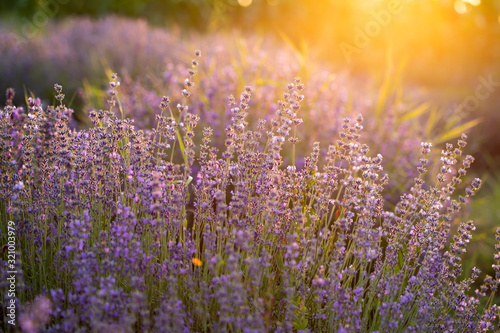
x,y
152,61
125,229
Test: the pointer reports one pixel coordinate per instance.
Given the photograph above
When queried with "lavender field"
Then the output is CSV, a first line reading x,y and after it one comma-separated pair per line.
x,y
160,179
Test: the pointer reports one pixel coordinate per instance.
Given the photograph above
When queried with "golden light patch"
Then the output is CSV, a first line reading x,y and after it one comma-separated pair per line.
x,y
244,3
460,7
473,2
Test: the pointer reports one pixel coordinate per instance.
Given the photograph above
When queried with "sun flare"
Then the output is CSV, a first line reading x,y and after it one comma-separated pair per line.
x,y
244,3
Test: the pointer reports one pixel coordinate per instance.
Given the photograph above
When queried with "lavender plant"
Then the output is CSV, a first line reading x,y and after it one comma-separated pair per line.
x,y
151,60
128,229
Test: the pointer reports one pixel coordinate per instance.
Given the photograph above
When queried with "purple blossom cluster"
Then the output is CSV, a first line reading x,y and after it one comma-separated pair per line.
x,y
164,229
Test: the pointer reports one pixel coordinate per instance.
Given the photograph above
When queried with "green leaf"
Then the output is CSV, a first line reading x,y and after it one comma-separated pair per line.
x,y
416,112
431,122
383,96
279,261
300,323
457,131
220,265
401,261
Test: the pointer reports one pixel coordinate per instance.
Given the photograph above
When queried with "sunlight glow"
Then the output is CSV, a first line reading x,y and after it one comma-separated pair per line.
x,y
460,7
473,2
245,3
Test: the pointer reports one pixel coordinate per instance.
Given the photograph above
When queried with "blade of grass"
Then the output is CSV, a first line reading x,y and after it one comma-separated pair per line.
x,y
457,131
385,89
431,122
415,113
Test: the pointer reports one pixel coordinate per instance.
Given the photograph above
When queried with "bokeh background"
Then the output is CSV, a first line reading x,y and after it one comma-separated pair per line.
x,y
444,53
442,42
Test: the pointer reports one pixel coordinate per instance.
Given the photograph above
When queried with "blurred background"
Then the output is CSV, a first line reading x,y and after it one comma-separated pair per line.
x,y
442,42
444,54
